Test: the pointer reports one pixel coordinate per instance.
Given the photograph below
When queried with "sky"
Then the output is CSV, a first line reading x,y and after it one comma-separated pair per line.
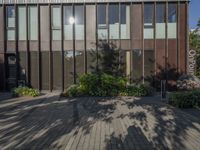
x,y
194,13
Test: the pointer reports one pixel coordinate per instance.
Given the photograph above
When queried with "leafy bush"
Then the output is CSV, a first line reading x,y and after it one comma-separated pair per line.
x,y
105,85
73,91
188,99
25,91
101,84
137,90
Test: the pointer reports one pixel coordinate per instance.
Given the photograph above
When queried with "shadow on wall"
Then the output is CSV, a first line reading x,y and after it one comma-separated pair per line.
x,y
170,74
106,59
110,59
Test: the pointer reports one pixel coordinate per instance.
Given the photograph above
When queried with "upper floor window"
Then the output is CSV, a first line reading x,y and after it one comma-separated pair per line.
x,y
148,15
171,13
10,14
114,21
68,26
148,21
172,20
101,21
79,22
160,20
56,23
125,21
33,22
22,23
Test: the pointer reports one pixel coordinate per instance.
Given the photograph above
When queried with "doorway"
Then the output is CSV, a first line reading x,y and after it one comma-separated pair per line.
x,y
11,71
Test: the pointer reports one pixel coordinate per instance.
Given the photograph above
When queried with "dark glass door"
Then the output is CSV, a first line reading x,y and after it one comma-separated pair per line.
x,y
11,71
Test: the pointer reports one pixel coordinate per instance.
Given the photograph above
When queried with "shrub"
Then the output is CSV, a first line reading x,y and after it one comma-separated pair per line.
x,y
105,85
188,99
73,91
25,91
101,84
137,90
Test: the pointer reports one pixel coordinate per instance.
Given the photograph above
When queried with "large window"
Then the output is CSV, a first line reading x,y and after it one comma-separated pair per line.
x,y
79,22
33,22
125,21
160,21
148,21
114,21
22,23
101,21
56,23
68,26
10,13
172,19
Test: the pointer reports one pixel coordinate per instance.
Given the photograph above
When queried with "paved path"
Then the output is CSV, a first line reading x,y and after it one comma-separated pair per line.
x,y
48,122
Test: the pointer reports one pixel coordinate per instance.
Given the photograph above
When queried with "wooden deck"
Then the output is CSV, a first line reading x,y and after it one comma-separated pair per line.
x,y
96,124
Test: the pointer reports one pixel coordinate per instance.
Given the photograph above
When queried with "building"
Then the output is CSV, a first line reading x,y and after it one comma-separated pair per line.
x,y
48,43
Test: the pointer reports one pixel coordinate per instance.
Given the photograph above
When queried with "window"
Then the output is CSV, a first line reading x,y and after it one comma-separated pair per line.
x,y
114,21
148,21
79,22
102,23
22,23
56,23
160,21
68,28
172,25
125,21
33,22
10,13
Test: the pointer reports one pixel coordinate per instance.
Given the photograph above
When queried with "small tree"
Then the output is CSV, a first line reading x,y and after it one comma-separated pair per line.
x,y
195,44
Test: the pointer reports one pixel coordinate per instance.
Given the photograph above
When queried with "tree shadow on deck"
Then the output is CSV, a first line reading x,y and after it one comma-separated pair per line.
x,y
166,127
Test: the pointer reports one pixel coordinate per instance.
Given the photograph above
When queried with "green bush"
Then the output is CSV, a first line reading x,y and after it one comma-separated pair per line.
x,y
101,84
73,91
187,99
105,85
137,90
25,91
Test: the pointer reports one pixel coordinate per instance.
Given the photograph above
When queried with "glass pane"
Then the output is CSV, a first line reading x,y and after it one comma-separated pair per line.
x,y
149,63
22,23
101,20
79,22
148,21
148,14
125,21
10,16
68,28
137,65
11,35
160,21
114,21
56,17
172,26
56,34
160,13
33,23
171,13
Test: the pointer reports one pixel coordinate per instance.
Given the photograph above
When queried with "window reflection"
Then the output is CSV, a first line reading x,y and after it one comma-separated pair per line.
x,y
79,22
125,21
172,25
101,21
160,21
148,21
33,22
114,21
68,27
22,22
10,10
56,22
